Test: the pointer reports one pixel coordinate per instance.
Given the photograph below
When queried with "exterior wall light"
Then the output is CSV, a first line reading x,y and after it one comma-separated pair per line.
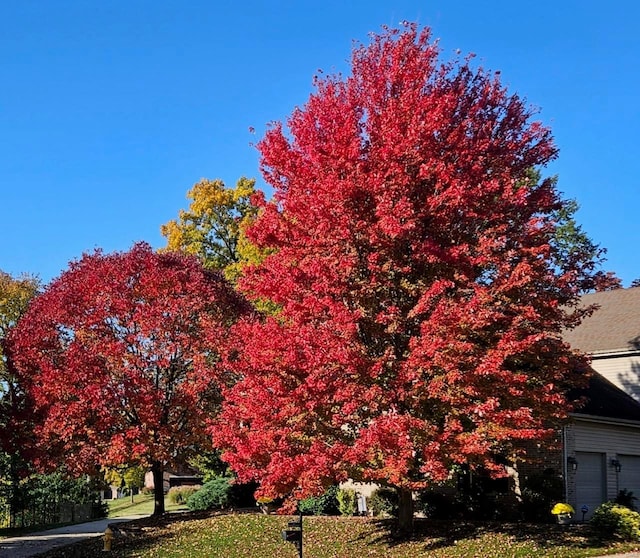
x,y
615,463
572,464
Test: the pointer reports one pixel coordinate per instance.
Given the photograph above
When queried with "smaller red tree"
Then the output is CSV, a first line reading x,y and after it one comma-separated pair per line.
x,y
121,356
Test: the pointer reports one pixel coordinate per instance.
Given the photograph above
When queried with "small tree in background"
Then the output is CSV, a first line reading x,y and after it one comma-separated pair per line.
x,y
213,227
15,413
131,477
121,356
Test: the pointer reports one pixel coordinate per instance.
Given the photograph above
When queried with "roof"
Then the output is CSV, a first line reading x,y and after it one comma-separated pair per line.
x,y
614,326
604,399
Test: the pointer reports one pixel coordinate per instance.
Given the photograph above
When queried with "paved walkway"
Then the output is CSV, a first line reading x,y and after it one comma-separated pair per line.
x,y
32,544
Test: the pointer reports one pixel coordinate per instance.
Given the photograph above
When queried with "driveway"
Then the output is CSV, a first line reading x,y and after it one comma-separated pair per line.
x,y
36,543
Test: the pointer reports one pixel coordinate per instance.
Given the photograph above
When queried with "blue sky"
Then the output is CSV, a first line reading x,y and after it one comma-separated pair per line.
x,y
111,110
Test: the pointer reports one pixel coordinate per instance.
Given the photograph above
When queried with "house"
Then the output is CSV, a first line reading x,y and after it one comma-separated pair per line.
x,y
601,445
177,476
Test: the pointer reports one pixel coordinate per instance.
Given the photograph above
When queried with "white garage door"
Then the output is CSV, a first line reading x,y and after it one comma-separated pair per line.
x,y
590,482
629,476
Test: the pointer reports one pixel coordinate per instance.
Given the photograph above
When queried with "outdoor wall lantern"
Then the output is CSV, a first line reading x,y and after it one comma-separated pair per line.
x,y
572,464
615,463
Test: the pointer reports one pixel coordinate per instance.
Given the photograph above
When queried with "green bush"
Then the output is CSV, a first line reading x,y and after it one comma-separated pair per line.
x,y
213,495
612,520
384,501
626,498
347,504
180,494
327,504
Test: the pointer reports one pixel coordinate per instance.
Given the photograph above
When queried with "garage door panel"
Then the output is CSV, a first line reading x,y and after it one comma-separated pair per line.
x,y
629,476
590,481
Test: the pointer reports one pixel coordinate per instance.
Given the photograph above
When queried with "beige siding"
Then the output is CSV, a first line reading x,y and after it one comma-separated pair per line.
x,y
610,440
622,371
364,488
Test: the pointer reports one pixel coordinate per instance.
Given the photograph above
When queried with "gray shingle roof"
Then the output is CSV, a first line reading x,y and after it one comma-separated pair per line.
x,y
614,326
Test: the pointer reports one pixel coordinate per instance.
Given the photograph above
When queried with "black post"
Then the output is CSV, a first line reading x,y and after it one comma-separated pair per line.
x,y
293,534
300,547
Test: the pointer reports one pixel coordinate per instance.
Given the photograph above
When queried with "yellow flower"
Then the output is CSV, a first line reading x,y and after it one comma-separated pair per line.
x,y
562,508
264,500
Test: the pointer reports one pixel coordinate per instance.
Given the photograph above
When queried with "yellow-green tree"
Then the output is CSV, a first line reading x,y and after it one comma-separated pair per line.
x,y
15,295
213,226
131,477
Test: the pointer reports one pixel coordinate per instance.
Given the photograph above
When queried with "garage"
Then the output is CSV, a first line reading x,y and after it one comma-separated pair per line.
x,y
590,481
629,475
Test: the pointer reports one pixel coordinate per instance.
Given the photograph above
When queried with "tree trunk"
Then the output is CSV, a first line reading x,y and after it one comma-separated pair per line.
x,y
158,488
405,512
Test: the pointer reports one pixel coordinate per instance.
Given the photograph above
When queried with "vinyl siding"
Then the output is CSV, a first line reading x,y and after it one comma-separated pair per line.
x,y
622,371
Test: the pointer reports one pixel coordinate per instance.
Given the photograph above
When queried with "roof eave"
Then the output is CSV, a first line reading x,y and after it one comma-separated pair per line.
x,y
606,420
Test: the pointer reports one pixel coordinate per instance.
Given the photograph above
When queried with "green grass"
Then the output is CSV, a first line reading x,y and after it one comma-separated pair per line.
x,y
258,536
142,505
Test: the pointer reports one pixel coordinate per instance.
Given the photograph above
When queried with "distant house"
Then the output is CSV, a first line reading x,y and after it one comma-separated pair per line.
x,y
178,476
601,446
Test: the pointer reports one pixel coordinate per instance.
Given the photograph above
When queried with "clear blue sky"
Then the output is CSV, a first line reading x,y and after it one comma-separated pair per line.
x,y
111,110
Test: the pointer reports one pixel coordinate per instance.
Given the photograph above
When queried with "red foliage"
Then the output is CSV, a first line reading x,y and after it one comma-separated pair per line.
x,y
420,310
607,281
120,356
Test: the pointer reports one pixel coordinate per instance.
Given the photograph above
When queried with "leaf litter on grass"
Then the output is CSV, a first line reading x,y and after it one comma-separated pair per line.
x,y
258,536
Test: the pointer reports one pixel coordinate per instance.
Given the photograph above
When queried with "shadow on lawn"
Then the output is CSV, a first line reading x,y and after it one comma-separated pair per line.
x,y
442,534
145,534
429,536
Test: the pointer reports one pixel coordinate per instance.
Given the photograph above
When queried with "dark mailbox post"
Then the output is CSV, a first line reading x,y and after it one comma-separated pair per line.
x,y
293,534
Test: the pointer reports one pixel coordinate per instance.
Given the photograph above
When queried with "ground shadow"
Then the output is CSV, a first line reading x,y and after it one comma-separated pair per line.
x,y
433,535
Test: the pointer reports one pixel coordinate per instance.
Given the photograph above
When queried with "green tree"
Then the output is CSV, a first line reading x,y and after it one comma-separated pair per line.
x,y
131,477
573,251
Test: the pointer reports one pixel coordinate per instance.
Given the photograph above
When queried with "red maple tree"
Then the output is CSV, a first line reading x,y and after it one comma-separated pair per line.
x,y
121,358
412,258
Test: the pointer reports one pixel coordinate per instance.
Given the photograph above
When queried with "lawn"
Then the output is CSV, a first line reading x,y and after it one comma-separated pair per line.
x,y
258,536
142,505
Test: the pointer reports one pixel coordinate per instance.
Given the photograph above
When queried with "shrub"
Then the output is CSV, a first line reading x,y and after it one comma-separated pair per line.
x,y
347,504
626,498
384,501
612,520
180,494
327,504
436,504
213,495
241,495
539,492
99,509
